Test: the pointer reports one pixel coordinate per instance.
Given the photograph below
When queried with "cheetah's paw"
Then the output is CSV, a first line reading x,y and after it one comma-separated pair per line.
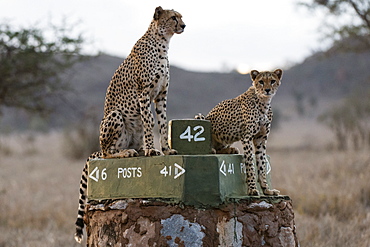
x,y
271,192
253,192
170,152
129,153
152,152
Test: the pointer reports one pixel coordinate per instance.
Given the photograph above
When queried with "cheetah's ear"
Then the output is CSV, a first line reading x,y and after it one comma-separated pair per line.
x,y
254,74
158,11
279,73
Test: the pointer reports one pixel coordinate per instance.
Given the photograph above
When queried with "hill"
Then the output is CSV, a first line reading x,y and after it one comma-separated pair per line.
x,y
317,79
331,76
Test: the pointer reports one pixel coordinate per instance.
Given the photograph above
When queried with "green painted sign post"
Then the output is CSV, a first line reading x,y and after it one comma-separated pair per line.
x,y
190,136
193,179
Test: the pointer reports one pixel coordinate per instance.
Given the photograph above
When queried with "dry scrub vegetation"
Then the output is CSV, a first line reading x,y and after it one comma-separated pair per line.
x,y
39,190
330,192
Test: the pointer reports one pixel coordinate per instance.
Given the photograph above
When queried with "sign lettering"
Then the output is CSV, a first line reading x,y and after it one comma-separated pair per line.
x,y
226,169
176,171
129,172
94,175
186,135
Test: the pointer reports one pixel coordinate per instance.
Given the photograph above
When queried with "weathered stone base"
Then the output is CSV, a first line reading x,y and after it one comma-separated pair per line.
x,y
136,222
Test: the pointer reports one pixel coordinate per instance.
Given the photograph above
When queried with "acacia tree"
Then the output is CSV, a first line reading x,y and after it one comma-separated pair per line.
x,y
31,65
347,22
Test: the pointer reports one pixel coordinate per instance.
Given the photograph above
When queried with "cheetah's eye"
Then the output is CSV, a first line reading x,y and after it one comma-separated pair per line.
x,y
272,82
173,18
261,82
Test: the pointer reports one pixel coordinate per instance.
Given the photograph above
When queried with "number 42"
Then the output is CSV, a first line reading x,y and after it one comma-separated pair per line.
x,y
186,135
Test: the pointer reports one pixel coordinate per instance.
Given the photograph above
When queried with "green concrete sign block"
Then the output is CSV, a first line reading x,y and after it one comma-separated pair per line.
x,y
211,179
198,180
190,136
140,177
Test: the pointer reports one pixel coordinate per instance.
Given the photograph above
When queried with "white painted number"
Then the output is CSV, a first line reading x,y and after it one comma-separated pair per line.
x,y
231,168
167,171
104,174
186,135
196,136
164,171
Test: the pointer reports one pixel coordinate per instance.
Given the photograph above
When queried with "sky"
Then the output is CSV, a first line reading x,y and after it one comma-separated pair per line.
x,y
233,34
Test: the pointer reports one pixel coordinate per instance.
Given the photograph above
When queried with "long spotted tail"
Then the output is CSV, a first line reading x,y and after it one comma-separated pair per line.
x,y
82,198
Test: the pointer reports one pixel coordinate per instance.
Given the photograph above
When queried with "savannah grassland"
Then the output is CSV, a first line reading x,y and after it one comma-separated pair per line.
x,y
330,190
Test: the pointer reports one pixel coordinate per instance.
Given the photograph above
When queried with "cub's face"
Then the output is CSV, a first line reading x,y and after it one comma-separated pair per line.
x,y
169,22
266,83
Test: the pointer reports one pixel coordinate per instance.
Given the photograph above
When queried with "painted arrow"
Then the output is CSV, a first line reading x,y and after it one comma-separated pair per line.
x,y
91,175
223,168
177,173
268,166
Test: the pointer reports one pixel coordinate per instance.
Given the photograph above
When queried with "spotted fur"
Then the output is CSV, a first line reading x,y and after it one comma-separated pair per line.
x,y
126,129
247,118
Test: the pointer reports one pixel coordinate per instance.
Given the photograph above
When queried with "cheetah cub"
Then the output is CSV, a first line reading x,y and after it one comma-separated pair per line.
x,y
247,118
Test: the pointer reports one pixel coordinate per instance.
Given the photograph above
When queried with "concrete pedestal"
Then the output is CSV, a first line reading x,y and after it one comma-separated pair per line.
x,y
246,222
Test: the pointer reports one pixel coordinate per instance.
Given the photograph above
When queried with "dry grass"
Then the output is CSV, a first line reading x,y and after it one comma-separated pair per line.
x,y
330,193
330,190
38,192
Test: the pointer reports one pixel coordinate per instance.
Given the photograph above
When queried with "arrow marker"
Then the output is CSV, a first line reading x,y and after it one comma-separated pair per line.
x,y
177,173
223,168
268,166
96,179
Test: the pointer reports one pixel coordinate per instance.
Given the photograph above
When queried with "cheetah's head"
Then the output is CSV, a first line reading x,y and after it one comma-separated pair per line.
x,y
266,83
169,22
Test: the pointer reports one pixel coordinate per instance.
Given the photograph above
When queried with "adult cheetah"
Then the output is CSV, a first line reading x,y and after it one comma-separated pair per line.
x,y
247,118
127,126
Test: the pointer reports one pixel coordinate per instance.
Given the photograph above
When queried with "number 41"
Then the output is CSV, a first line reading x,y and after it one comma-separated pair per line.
x,y
186,135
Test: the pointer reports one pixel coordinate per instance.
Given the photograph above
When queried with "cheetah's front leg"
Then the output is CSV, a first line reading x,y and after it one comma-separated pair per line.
x,y
161,111
148,124
261,162
251,173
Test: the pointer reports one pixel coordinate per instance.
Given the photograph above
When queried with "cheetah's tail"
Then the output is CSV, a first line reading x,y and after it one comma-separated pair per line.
x,y
82,198
81,205
200,116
